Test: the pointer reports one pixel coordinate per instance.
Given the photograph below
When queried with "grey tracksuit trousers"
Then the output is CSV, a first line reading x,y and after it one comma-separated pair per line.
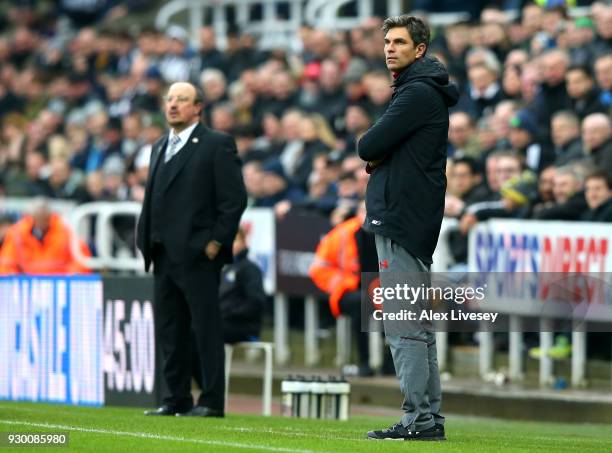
x,y
413,343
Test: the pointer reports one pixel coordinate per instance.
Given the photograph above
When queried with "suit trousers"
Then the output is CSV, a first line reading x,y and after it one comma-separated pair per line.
x,y
413,344
186,300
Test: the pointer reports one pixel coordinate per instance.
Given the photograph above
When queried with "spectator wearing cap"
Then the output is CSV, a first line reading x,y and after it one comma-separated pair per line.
x,y
354,90
598,194
148,97
323,183
276,187
565,135
523,138
597,140
583,93
580,34
569,202
553,94
178,62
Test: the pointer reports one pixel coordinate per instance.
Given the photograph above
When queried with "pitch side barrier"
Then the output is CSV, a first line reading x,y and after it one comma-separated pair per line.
x,y
82,340
566,266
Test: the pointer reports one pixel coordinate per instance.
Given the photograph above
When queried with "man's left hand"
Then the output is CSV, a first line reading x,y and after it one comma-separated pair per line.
x,y
212,249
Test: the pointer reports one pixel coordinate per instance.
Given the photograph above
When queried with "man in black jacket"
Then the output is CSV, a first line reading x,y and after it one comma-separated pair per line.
x,y
193,202
406,155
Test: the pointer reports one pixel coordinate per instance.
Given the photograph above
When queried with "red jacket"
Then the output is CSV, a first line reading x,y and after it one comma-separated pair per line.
x,y
22,253
336,267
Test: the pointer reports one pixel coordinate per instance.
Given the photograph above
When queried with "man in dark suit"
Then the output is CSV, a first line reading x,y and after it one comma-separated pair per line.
x,y
193,202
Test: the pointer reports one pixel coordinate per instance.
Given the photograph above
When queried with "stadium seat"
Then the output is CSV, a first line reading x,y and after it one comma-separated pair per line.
x,y
267,348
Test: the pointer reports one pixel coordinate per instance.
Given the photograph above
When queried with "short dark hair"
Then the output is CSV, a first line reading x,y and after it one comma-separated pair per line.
x,y
582,68
417,28
473,164
600,174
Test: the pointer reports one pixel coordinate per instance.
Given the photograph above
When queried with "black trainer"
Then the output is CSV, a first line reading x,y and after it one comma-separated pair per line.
x,y
399,432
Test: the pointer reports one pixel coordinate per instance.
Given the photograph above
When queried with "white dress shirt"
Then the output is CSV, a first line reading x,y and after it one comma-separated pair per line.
x,y
183,135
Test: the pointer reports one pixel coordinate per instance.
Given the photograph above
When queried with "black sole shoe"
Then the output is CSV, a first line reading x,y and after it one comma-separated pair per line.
x,y
399,432
162,411
201,411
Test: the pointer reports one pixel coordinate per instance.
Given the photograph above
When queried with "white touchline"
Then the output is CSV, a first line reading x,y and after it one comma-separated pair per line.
x,y
154,436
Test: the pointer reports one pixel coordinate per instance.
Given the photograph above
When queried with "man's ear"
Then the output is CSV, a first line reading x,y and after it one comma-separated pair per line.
x,y
420,50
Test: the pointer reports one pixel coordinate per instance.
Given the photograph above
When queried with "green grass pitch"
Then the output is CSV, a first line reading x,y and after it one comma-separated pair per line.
x,y
126,430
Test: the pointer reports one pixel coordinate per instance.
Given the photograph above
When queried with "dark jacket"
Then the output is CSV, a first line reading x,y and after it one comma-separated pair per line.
x,y
203,199
589,104
241,295
405,195
602,213
569,152
572,209
602,156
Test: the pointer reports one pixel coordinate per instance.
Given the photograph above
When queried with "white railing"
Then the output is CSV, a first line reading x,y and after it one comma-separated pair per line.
x,y
101,214
274,31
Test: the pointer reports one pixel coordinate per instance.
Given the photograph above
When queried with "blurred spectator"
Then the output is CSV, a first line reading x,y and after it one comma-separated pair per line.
x,y
565,135
523,137
40,243
209,55
461,136
178,62
484,90
241,295
603,74
583,93
553,94
597,140
598,194
464,186
545,197
501,168
275,187
213,84
568,194
357,121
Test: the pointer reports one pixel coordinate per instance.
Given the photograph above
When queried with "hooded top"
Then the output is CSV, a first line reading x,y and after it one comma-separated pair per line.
x,y
406,148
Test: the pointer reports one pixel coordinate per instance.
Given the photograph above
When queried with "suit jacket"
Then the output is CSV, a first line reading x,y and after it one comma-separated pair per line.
x,y
203,197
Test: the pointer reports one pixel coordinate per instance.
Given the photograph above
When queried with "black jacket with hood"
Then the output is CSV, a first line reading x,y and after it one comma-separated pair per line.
x,y
407,148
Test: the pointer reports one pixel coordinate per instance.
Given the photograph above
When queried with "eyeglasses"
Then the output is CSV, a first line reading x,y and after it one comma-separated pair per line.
x,y
179,99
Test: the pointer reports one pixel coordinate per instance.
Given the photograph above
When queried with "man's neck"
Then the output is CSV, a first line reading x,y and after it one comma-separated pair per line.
x,y
178,130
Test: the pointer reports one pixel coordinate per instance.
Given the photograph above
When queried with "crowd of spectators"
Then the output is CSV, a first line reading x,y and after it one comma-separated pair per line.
x,y
531,136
